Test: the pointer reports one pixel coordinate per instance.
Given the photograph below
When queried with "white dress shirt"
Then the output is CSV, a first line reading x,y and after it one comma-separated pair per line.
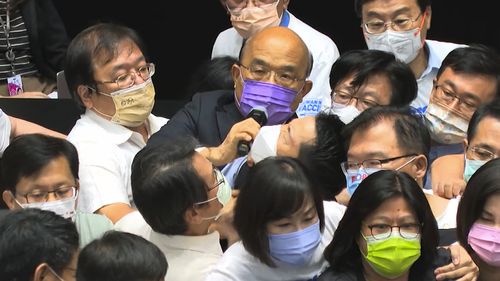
x,y
106,151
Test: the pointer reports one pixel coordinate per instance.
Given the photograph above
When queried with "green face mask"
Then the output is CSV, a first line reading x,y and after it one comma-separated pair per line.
x,y
392,256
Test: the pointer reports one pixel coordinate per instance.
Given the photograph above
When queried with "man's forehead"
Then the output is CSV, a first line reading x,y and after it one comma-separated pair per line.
x,y
378,138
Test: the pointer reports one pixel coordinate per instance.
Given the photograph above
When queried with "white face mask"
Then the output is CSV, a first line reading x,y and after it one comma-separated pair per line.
x,y
66,208
445,126
345,113
405,45
265,143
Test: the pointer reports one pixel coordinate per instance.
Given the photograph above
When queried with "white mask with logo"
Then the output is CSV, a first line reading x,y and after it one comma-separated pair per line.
x,y
405,45
265,143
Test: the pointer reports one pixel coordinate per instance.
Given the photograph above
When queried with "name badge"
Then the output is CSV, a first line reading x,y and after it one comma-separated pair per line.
x,y
15,85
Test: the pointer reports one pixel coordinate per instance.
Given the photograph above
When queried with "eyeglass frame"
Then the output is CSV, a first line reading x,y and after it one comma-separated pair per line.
x,y
391,24
351,97
136,72
469,109
382,161
474,149
267,74
391,227
46,196
238,9
219,177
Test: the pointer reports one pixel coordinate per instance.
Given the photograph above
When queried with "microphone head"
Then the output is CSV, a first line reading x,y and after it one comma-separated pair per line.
x,y
259,113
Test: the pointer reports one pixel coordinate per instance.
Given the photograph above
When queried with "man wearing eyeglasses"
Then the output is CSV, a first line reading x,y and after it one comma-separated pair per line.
x,y
392,138
272,74
467,78
250,16
110,78
452,172
40,171
400,27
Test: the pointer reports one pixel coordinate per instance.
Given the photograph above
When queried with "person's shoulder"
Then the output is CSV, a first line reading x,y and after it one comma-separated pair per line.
x,y
213,98
94,219
441,49
334,207
227,43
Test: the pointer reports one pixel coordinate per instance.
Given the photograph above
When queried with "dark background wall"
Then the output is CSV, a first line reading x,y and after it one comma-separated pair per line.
x,y
170,40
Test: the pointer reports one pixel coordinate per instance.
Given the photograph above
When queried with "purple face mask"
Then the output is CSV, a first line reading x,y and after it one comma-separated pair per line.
x,y
275,98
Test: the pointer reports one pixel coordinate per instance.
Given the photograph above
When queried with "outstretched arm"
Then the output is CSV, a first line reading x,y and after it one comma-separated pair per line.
x,y
21,127
447,175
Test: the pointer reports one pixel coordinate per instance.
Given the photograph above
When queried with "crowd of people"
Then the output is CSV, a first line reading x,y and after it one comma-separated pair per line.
x,y
291,161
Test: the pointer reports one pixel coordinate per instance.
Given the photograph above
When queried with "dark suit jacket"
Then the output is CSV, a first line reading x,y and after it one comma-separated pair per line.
x,y
208,117
47,36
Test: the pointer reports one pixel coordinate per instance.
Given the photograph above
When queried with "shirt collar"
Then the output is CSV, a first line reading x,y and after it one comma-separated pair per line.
x,y
113,132
208,243
434,60
285,19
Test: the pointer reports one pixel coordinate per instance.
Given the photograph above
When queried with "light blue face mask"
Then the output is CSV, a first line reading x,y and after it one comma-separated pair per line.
x,y
471,166
295,248
355,177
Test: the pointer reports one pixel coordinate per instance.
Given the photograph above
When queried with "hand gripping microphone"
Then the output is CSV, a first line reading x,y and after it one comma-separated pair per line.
x,y
259,114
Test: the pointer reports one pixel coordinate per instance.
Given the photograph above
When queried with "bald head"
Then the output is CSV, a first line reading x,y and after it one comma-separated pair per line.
x,y
280,45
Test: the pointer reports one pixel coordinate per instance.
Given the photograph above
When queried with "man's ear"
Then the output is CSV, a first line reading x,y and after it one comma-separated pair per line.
x,y
300,95
41,272
419,167
192,216
85,94
428,17
9,200
466,143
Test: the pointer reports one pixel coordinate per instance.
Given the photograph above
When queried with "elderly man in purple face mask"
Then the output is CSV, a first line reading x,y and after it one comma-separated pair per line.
x,y
272,75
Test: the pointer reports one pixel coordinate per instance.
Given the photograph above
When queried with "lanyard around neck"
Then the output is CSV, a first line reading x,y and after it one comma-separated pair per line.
x,y
9,54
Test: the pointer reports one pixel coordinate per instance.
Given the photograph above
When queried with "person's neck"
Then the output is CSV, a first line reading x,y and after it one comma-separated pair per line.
x,y
197,229
487,272
143,130
370,274
419,64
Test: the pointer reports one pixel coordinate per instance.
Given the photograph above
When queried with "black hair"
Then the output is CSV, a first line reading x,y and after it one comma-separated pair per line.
x,y
323,157
491,109
30,237
28,154
213,74
343,252
364,64
97,43
482,185
412,135
358,5
475,59
276,188
165,184
121,256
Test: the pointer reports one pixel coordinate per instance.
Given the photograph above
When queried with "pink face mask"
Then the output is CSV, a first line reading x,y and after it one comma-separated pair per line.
x,y
485,241
251,20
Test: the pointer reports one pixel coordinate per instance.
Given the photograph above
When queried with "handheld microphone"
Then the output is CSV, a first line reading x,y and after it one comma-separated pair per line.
x,y
259,114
